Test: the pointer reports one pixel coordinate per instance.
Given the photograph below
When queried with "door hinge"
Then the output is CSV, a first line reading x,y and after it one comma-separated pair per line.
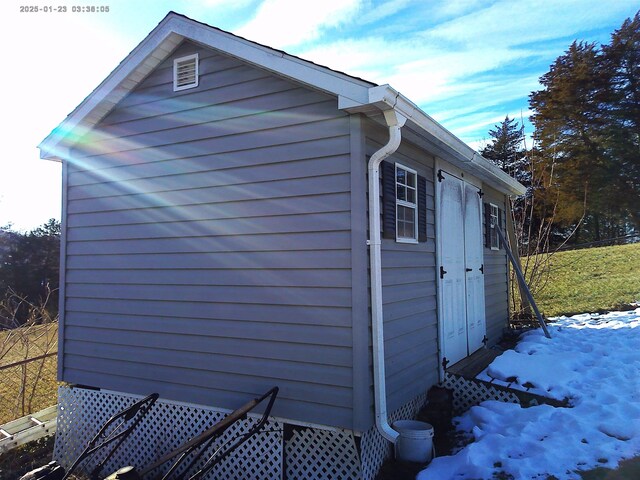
x,y
480,193
440,176
485,340
445,362
481,269
443,272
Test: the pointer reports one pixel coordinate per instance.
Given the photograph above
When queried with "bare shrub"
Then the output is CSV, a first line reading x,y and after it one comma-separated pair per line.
x,y
28,361
533,224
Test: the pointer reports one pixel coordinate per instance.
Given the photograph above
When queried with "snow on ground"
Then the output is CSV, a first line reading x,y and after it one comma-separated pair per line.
x,y
594,361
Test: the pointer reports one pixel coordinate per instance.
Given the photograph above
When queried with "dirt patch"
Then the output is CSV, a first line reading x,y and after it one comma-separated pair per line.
x,y
627,470
23,459
396,470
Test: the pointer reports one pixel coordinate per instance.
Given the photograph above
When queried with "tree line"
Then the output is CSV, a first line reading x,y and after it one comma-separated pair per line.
x,y
29,266
582,172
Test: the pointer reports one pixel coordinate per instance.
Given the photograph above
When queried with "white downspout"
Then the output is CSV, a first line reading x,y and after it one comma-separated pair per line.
x,y
395,122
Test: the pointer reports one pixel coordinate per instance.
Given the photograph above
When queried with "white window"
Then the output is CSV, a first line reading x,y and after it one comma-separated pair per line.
x,y
406,204
494,219
185,72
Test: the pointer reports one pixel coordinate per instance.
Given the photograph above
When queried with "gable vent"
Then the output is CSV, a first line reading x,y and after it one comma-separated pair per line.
x,y
185,72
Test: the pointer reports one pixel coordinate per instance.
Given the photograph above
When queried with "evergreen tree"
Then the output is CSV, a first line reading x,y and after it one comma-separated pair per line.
x,y
622,62
584,128
566,119
533,211
29,263
506,149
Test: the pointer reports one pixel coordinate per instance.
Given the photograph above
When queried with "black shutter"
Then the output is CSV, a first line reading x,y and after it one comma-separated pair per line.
x,y
487,225
388,171
422,209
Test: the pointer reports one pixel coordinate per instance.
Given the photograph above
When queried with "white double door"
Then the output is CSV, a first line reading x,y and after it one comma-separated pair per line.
x,y
461,269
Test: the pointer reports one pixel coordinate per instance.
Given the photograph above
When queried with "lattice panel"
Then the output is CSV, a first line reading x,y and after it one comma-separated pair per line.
x,y
168,425
375,449
312,453
468,393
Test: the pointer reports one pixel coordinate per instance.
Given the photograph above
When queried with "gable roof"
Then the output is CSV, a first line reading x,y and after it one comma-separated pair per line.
x,y
354,94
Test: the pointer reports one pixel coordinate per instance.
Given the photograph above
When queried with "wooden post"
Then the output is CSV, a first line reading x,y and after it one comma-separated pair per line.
x,y
525,306
523,283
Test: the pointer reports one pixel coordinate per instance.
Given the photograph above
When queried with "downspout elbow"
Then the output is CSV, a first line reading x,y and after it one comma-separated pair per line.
x,y
395,122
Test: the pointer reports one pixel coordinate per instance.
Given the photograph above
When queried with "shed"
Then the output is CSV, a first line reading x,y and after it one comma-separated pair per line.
x,y
218,197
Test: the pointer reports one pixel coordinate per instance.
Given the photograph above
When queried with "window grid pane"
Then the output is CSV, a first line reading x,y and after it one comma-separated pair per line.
x,y
406,204
406,222
411,180
494,221
401,193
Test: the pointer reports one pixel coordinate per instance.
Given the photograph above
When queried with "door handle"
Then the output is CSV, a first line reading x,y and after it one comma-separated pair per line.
x,y
469,269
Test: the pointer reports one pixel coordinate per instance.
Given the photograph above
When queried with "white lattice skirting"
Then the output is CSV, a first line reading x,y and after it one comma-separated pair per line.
x,y
468,393
81,413
303,453
375,449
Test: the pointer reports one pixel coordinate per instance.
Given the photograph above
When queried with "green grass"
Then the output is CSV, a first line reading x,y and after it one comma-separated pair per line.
x,y
591,280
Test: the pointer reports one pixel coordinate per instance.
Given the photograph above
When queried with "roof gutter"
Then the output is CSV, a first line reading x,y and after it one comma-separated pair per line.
x,y
384,97
394,121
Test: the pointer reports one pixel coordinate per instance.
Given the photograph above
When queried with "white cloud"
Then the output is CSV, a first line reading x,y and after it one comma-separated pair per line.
x,y
464,88
450,74
463,72
482,95
422,71
454,8
224,4
367,57
286,23
384,10
508,23
474,128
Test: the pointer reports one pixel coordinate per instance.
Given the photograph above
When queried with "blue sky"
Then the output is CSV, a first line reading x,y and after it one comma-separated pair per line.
x,y
466,63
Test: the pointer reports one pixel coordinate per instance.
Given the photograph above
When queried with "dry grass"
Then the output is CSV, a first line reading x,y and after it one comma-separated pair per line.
x,y
28,364
26,342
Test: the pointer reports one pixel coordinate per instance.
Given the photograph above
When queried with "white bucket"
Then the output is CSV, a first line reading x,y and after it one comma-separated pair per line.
x,y
415,443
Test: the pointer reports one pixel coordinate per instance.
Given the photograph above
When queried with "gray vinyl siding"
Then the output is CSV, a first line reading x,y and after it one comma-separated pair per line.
x,y
361,316
208,251
409,291
495,279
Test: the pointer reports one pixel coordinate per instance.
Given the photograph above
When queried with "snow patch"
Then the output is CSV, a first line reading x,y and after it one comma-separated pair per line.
x,y
593,360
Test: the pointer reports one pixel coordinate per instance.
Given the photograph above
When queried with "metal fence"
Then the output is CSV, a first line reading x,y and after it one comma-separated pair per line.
x,y
28,370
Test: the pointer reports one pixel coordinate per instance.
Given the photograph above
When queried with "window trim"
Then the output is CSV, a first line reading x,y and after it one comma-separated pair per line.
x,y
404,203
186,58
492,232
